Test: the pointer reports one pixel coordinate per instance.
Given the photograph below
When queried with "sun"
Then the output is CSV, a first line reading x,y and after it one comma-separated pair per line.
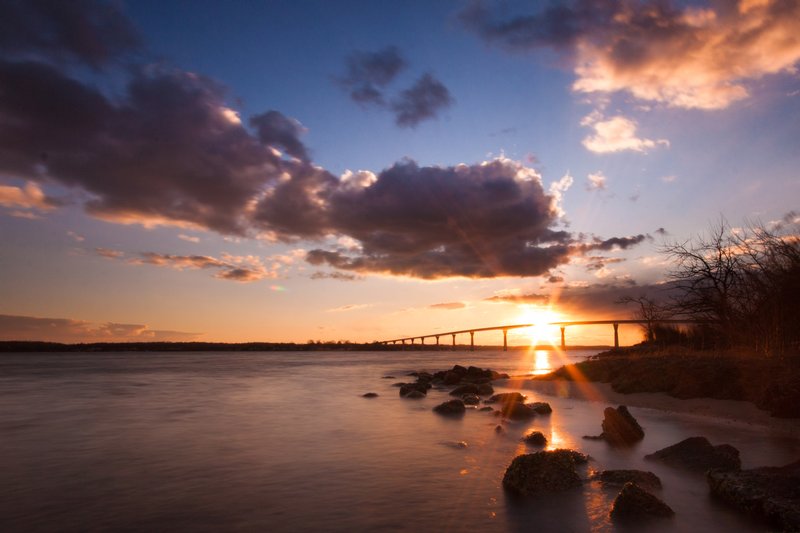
x,y
541,317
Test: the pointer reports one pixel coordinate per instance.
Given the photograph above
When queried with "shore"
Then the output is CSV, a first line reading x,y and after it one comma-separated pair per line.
x,y
734,412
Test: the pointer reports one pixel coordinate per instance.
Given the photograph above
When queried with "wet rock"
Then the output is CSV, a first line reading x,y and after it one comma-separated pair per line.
x,y
406,388
388,377
543,472
535,438
696,453
487,408
370,395
471,399
451,407
485,389
414,395
451,378
424,377
458,369
398,384
541,408
499,429
771,494
517,411
633,503
507,397
458,444
620,428
468,388
646,480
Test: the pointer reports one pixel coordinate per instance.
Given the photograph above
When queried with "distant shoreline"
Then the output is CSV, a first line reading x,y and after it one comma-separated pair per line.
x,y
104,347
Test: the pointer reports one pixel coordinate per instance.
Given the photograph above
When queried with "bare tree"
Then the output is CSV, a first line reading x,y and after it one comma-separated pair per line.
x,y
649,311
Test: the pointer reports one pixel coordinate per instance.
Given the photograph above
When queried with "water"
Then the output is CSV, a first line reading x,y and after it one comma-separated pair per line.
x,y
284,442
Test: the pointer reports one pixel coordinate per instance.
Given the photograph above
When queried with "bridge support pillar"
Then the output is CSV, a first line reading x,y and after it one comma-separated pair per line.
x,y
437,340
471,341
454,341
616,335
505,340
563,338
422,340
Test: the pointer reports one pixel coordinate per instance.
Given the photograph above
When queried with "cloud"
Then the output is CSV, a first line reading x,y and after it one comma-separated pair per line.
x,y
597,262
422,101
368,73
596,182
27,328
75,236
448,306
88,31
274,129
531,298
188,238
228,267
29,197
682,56
349,307
555,279
340,276
616,134
614,243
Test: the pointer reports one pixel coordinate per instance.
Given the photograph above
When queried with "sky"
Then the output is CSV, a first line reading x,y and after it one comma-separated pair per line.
x,y
338,170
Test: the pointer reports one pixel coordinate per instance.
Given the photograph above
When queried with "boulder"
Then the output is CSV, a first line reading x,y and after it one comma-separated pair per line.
x,y
458,369
499,429
696,453
471,399
487,408
536,438
620,428
424,377
485,389
517,411
644,479
468,388
406,388
370,395
388,377
770,494
450,407
541,408
635,503
414,395
451,378
507,397
543,472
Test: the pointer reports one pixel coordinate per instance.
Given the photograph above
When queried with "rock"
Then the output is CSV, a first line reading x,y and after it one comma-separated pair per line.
x,y
471,399
485,389
370,395
458,369
468,388
620,428
696,453
414,395
424,376
451,378
771,494
487,408
543,472
646,480
499,429
535,438
388,377
458,444
406,388
517,411
541,408
507,397
635,503
451,407
398,384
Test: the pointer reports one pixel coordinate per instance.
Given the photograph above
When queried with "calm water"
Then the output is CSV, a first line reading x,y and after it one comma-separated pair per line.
x,y
284,442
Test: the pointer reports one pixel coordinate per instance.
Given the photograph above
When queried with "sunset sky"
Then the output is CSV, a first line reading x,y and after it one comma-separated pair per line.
x,y
295,170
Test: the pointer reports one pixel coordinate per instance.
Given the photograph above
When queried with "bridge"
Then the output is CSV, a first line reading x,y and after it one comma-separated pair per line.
x,y
505,329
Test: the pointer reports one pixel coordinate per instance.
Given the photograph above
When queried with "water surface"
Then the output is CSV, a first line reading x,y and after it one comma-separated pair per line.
x,y
284,442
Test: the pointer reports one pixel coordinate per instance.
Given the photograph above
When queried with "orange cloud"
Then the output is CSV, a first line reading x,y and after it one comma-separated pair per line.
x,y
616,134
28,328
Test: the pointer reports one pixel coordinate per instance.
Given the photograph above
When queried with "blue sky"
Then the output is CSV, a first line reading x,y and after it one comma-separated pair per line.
x,y
188,210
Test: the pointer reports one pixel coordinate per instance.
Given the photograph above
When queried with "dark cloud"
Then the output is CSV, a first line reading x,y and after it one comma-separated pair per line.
x,y
275,129
599,262
662,232
340,276
422,101
615,243
555,279
449,306
531,298
369,72
89,31
27,328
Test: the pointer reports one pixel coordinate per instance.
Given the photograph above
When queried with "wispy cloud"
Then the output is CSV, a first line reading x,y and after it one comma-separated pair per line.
x,y
349,307
616,134
596,182
28,328
448,306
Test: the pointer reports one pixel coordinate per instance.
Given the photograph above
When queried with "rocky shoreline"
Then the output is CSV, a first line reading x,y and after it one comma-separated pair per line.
x,y
771,495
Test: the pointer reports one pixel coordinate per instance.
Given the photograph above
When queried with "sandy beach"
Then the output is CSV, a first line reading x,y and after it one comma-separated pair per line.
x,y
735,413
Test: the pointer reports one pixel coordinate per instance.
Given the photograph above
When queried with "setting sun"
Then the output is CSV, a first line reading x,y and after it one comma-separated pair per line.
x,y
541,317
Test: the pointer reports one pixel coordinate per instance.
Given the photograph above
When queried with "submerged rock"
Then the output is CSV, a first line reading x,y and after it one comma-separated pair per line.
x,y
517,411
487,408
535,438
388,377
620,427
507,397
543,472
646,480
696,453
499,429
451,407
471,399
370,395
541,408
635,503
485,389
468,388
771,494
407,388
415,395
